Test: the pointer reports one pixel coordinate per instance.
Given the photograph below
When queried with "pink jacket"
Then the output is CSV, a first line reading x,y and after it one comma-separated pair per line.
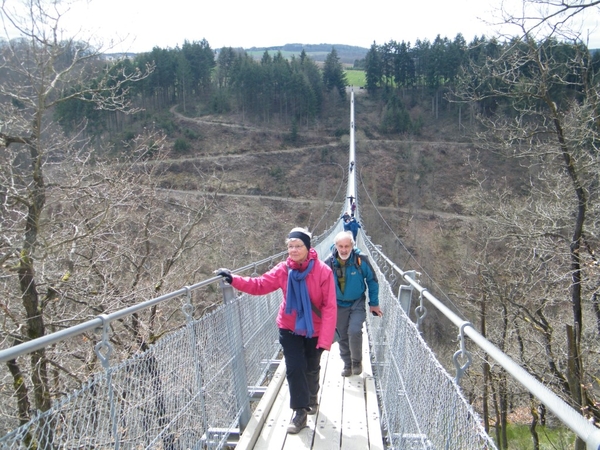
x,y
321,289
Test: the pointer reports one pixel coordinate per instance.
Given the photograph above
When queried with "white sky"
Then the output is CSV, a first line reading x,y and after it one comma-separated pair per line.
x,y
143,24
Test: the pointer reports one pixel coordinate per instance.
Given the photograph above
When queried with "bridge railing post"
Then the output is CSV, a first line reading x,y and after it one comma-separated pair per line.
x,y
405,293
238,369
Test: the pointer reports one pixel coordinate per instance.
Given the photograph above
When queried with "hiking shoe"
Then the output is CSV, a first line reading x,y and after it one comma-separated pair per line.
x,y
298,422
347,371
356,368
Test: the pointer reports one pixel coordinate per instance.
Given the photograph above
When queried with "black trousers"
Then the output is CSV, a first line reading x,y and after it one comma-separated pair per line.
x,y
303,367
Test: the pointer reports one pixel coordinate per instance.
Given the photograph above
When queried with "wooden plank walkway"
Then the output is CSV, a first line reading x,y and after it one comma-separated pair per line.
x,y
347,419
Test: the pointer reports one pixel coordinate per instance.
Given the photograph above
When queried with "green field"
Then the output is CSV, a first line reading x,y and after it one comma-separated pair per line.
x,y
519,438
355,77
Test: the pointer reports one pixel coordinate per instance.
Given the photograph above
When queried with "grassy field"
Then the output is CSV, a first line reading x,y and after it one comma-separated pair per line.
x,y
551,438
355,77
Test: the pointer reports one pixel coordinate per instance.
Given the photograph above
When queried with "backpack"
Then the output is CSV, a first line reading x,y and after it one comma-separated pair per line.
x,y
358,264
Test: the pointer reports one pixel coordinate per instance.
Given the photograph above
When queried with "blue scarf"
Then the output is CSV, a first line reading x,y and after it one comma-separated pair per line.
x,y
298,300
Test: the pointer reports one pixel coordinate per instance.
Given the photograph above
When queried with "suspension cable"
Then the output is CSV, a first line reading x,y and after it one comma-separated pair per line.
x,y
410,255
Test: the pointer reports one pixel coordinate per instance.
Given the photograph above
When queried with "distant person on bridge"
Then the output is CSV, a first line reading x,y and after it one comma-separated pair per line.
x,y
346,221
353,274
306,318
352,225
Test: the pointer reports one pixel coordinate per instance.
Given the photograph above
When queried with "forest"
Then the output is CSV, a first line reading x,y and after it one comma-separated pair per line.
x,y
94,155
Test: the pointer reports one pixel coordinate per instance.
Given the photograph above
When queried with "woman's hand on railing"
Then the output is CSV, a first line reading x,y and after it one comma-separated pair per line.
x,y
226,274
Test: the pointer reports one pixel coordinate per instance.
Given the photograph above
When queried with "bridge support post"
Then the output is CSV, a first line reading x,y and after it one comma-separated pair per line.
x,y
238,369
405,293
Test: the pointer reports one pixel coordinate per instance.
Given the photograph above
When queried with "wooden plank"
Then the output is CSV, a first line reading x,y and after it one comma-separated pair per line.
x,y
372,402
329,417
354,423
274,430
348,415
373,416
303,439
313,419
259,416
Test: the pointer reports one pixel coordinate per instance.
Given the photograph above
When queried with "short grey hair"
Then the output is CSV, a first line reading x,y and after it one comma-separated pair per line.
x,y
344,235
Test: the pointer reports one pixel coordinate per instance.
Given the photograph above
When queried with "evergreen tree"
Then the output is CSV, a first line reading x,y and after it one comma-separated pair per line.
x,y
334,76
225,66
201,60
373,69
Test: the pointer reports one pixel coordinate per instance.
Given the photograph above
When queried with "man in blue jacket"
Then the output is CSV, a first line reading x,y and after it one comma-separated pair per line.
x,y
353,274
353,227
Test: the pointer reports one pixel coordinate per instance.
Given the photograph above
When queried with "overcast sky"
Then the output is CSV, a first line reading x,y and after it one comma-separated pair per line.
x,y
143,24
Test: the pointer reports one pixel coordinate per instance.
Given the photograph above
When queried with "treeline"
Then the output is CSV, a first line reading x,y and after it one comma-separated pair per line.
x,y
429,64
436,67
439,63
203,81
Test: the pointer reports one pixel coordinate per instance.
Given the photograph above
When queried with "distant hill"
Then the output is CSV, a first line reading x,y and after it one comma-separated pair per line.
x,y
317,52
348,54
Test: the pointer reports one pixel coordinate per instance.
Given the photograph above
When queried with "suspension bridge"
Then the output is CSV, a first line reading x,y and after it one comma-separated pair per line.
x,y
218,381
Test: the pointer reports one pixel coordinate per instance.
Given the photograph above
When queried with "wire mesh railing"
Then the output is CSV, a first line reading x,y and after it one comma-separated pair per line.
x,y
421,404
192,388
182,393
404,367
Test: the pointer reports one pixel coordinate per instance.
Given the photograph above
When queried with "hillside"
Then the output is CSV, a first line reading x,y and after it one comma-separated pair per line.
x,y
410,186
348,54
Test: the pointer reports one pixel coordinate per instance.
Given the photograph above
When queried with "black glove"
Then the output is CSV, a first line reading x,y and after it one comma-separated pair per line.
x,y
225,273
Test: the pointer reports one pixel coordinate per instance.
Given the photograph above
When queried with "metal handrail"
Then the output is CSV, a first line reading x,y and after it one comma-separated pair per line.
x,y
568,415
27,347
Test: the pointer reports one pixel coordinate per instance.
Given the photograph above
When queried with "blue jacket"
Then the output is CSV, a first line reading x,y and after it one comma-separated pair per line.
x,y
353,226
357,280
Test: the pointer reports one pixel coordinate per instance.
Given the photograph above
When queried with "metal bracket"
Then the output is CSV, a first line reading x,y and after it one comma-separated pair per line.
x,y
420,310
188,308
460,370
405,293
103,348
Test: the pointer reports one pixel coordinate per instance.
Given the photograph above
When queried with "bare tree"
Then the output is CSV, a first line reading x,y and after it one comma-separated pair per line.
x,y
541,100
80,233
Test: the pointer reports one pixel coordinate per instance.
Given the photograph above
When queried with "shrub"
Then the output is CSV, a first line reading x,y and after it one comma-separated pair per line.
x,y
181,145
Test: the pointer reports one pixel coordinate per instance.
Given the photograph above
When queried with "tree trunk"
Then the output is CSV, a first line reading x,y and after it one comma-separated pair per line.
x,y
574,376
596,308
503,397
486,374
534,421
22,396
20,391
28,285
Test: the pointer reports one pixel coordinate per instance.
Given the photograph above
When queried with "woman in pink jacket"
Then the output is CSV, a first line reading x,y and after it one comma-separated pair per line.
x,y
306,318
